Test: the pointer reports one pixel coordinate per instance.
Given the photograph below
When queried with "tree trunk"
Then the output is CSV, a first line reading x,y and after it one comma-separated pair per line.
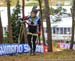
x,y
9,23
1,31
41,21
25,33
49,35
72,37
73,24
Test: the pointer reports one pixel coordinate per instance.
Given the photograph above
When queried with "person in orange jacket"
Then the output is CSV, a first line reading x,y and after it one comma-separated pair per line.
x,y
33,22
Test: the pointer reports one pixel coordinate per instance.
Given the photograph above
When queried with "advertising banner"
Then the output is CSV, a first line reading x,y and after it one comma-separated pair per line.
x,y
7,49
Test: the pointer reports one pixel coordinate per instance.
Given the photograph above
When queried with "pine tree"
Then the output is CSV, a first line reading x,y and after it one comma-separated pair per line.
x,y
14,18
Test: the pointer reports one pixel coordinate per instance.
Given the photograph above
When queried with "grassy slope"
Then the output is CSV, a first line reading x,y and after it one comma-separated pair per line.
x,y
13,3
56,56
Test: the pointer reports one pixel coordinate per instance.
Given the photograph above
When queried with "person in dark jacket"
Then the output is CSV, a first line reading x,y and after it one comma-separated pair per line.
x,y
33,22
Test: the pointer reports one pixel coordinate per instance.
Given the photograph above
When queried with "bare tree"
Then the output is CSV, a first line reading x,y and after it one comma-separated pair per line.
x,y
40,5
73,24
1,31
24,25
49,34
